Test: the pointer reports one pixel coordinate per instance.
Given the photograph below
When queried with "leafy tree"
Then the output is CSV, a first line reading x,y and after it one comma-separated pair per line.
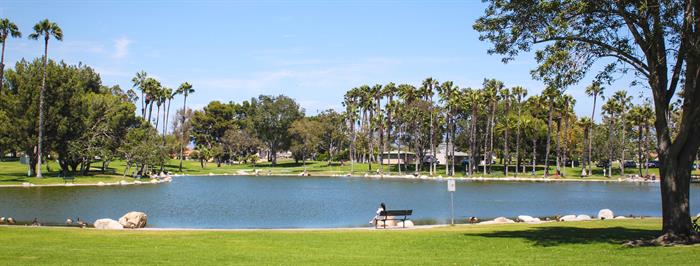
x,y
45,29
7,29
593,90
655,39
306,137
271,121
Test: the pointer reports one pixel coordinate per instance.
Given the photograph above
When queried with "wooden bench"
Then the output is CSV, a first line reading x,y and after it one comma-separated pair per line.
x,y
66,179
384,216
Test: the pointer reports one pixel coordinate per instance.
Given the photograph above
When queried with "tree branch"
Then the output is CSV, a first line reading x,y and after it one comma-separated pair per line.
x,y
636,62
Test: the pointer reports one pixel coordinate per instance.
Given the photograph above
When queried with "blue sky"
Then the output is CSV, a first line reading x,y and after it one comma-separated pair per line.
x,y
312,51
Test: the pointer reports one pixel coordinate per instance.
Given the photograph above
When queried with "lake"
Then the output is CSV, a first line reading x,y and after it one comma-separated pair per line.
x,y
287,202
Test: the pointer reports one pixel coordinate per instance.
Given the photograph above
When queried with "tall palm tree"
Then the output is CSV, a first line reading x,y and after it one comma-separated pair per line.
x,y
447,91
610,108
388,91
593,90
507,98
140,82
160,98
550,93
170,94
409,95
473,99
519,93
427,92
45,29
185,89
587,124
491,89
567,112
351,105
376,94
624,103
152,88
7,29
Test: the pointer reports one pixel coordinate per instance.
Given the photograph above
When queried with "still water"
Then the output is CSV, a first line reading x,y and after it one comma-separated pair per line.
x,y
286,202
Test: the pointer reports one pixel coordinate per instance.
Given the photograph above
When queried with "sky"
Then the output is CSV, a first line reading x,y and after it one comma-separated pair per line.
x,y
312,51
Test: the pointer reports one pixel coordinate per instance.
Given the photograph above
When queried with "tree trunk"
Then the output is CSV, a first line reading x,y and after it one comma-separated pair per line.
x,y
610,145
559,146
2,65
41,107
622,143
534,155
182,129
506,154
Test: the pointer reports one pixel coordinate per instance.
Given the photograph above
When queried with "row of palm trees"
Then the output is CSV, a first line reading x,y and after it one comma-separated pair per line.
x,y
45,30
152,92
382,116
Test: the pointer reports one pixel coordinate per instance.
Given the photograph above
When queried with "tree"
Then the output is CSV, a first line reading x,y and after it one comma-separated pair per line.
x,y
45,29
491,89
520,93
624,102
587,125
351,115
611,108
550,93
507,98
388,91
331,130
593,90
448,96
139,82
426,91
657,40
185,89
7,29
306,137
271,121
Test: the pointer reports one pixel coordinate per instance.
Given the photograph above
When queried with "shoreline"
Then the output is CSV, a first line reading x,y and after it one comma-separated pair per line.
x,y
397,177
304,229
99,184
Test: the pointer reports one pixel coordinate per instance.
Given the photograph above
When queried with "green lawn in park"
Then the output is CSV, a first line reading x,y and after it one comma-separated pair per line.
x,y
557,243
14,173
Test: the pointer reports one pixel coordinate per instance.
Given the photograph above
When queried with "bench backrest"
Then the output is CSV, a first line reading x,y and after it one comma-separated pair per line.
x,y
395,212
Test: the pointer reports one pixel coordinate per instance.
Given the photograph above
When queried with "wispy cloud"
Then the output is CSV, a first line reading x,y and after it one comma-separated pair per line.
x,y
121,47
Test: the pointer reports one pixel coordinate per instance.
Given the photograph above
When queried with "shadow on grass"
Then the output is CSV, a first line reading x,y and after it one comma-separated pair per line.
x,y
554,236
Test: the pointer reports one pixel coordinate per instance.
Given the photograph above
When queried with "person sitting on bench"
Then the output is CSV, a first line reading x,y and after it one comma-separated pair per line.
x,y
382,207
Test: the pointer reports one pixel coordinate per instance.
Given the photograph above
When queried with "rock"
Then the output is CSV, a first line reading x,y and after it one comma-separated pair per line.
x,y
503,220
698,215
525,218
583,217
567,218
134,220
408,224
605,214
100,183
620,218
108,224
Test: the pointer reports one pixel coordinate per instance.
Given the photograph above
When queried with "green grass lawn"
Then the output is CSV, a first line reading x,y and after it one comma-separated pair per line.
x,y
572,243
14,173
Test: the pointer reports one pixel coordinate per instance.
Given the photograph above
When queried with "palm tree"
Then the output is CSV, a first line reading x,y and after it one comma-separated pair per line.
x,y
160,98
169,95
45,29
473,99
388,91
491,89
426,92
409,95
140,82
519,93
568,103
376,93
507,98
610,108
550,93
647,115
593,90
623,103
185,89
447,91
587,125
351,115
7,29
152,88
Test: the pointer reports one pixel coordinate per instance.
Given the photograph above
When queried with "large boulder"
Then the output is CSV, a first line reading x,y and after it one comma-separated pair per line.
x,y
108,224
606,214
568,218
503,220
526,219
407,223
620,217
134,220
583,217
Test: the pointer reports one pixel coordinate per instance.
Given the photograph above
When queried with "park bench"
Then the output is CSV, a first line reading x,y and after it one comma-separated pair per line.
x,y
67,179
393,215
